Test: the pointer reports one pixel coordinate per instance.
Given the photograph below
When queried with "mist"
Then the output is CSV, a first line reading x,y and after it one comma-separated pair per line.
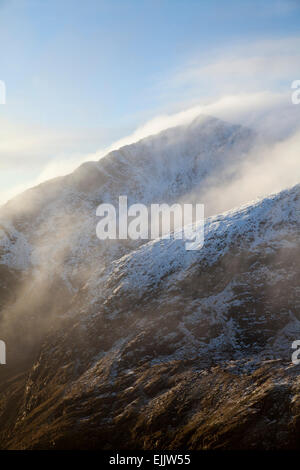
x,y
271,114
266,169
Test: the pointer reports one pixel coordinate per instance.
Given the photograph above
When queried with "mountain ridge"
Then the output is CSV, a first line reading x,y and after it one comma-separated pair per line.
x,y
199,359
146,345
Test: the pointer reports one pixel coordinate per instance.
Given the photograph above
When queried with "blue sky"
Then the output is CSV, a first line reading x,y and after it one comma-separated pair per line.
x,y
80,75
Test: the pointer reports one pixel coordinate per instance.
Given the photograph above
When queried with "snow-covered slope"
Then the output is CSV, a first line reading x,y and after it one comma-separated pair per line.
x,y
255,224
147,345
201,340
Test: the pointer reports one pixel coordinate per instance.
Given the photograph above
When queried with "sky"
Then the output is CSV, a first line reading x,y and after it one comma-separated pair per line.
x,y
85,77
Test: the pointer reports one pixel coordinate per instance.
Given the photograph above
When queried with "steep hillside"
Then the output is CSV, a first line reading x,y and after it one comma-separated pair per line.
x,y
168,349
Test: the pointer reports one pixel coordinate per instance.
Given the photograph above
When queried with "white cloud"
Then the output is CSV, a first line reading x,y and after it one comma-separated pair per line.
x,y
263,111
266,169
243,84
260,65
32,154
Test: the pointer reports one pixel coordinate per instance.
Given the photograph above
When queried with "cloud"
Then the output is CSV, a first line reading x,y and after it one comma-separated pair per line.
x,y
246,84
272,114
262,111
260,65
31,154
266,169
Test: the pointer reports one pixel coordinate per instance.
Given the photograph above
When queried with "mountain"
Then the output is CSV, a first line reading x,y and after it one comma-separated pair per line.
x,y
147,345
48,244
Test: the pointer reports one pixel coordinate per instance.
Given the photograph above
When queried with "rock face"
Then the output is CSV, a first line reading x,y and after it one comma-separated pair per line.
x,y
149,345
